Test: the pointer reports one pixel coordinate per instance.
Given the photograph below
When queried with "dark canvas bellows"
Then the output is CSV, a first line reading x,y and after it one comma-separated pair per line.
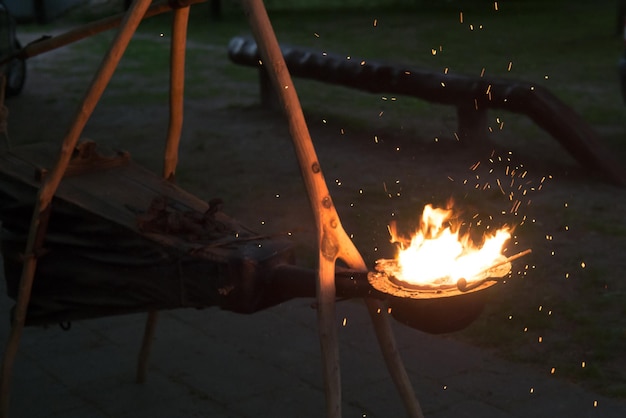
x,y
121,239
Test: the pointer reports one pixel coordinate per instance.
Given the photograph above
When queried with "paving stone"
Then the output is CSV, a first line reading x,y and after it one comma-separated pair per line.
x,y
211,363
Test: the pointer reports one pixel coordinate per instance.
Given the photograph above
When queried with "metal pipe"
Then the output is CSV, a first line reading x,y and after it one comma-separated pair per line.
x,y
463,286
287,281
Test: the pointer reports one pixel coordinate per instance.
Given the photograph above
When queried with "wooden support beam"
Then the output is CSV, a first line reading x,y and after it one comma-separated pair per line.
x,y
4,115
146,344
332,241
177,89
50,184
48,44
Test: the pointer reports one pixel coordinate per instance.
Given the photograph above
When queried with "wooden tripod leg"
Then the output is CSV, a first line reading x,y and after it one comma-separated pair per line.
x,y
327,221
384,334
144,352
50,184
35,238
87,30
177,87
333,242
329,341
177,83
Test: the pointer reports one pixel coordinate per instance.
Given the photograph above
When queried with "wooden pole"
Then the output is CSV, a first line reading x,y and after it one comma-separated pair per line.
x,y
4,112
327,222
44,45
332,240
50,184
177,86
387,342
146,343
177,89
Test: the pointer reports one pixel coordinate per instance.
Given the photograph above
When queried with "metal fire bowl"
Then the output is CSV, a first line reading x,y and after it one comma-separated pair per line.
x,y
432,309
394,287
435,310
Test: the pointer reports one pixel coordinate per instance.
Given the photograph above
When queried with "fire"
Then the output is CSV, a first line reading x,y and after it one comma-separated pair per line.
x,y
439,255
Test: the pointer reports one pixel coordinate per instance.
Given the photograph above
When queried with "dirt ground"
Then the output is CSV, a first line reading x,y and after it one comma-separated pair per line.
x,y
570,291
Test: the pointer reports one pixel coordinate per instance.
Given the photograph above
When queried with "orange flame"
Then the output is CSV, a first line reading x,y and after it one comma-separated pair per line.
x,y
439,255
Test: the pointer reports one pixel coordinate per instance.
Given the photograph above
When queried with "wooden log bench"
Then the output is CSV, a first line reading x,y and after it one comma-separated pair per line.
x,y
472,97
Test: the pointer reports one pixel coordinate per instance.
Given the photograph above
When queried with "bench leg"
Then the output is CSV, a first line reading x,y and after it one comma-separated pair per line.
x,y
472,124
269,98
